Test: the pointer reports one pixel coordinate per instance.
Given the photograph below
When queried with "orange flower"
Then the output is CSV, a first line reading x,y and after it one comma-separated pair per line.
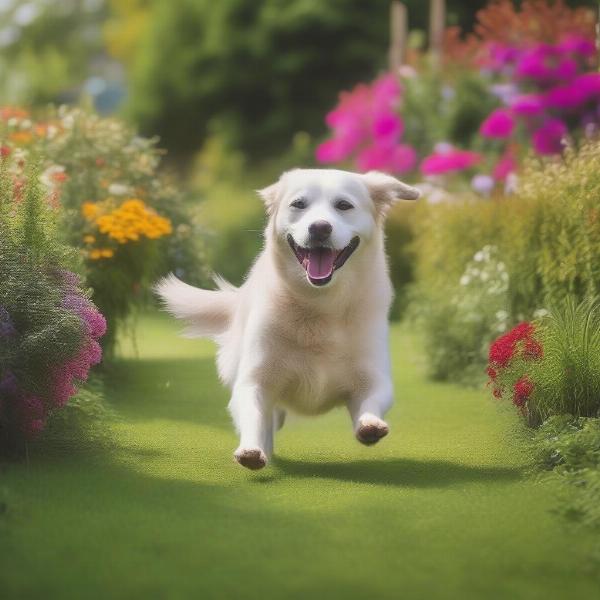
x,y
21,137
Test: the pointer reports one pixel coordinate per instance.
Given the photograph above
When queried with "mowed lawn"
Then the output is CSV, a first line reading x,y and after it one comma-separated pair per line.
x,y
444,507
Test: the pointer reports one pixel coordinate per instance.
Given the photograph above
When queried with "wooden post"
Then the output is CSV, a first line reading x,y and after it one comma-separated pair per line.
x,y
437,22
398,35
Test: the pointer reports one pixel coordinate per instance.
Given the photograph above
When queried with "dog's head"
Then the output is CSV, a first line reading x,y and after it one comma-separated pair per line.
x,y
322,217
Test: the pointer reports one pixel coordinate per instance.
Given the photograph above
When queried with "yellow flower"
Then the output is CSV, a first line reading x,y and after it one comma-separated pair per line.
x,y
89,210
89,239
107,253
21,137
95,254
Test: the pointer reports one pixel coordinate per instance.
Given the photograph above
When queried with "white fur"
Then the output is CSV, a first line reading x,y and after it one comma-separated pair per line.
x,y
285,344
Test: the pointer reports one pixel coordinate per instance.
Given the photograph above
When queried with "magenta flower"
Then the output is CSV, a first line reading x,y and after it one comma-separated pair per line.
x,y
544,63
439,163
581,46
387,127
499,124
394,159
548,139
566,97
528,105
505,166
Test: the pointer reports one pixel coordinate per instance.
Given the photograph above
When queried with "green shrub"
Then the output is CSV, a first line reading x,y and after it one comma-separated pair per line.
x,y
571,447
547,235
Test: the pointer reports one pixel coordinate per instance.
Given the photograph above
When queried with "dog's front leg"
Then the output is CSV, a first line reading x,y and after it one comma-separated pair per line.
x,y
253,418
368,408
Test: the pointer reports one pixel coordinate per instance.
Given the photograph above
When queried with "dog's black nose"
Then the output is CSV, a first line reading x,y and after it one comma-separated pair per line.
x,y
319,231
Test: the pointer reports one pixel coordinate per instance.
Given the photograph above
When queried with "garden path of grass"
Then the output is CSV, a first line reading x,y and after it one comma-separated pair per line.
x,y
443,508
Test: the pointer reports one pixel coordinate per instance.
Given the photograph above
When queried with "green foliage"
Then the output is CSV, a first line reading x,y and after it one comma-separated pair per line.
x,y
567,379
571,447
435,110
462,316
547,235
255,71
47,48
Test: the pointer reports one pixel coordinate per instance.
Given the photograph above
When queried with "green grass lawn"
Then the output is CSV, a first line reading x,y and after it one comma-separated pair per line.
x,y
442,508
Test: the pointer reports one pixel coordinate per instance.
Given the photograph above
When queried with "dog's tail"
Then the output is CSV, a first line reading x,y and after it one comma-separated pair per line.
x,y
207,313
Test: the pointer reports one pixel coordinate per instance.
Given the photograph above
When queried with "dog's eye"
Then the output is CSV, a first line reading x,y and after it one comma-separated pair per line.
x,y
343,205
299,203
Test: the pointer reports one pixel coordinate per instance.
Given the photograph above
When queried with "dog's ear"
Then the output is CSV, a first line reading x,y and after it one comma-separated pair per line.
x,y
385,190
270,195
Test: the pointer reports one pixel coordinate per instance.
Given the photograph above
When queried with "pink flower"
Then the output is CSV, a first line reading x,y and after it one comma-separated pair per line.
x,y
505,166
395,159
548,138
544,63
575,44
452,160
566,96
499,124
331,151
387,126
528,105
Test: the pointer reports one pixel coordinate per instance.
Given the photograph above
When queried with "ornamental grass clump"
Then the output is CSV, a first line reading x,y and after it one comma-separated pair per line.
x,y
49,328
551,367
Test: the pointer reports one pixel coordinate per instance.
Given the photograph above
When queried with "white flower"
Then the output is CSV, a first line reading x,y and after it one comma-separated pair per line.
x,y
540,313
479,256
118,189
465,280
47,177
502,315
484,276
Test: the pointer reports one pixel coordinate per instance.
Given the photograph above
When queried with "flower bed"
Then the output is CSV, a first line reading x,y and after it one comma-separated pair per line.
x,y
525,80
49,328
129,221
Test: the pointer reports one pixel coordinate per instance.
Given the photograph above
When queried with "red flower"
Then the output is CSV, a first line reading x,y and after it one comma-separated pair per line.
x,y
492,373
533,349
5,151
497,393
503,349
522,390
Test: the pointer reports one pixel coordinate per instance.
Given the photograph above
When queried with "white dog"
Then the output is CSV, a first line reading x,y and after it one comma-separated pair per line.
x,y
308,328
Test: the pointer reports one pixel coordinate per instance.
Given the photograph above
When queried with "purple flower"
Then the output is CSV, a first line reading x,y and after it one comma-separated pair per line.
x,y
483,184
566,97
8,384
499,124
548,139
92,318
7,329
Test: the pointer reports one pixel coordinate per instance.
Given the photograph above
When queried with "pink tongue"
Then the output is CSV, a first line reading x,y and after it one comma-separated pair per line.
x,y
319,262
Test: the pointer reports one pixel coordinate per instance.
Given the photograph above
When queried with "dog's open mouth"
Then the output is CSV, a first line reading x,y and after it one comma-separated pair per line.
x,y
320,262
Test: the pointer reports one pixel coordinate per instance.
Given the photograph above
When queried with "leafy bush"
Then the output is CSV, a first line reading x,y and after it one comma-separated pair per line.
x,y
552,368
571,447
461,317
547,235
130,222
49,329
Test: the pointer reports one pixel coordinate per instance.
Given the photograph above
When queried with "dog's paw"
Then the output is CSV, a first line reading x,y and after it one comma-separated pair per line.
x,y
251,458
371,429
